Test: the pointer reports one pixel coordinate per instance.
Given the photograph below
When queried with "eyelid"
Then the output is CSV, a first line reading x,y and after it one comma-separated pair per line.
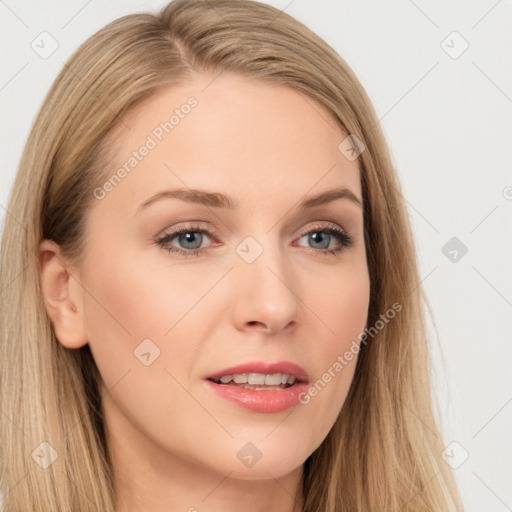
x,y
203,226
189,226
323,224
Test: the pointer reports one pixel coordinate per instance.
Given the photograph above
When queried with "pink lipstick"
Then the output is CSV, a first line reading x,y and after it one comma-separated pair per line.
x,y
260,387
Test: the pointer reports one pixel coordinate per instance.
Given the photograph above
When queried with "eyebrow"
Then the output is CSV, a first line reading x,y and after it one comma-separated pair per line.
x,y
218,200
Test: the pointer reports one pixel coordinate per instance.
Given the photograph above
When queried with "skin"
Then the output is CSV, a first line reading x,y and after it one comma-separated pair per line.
x,y
174,443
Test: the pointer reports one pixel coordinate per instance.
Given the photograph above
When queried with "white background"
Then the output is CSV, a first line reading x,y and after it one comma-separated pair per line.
x,y
448,122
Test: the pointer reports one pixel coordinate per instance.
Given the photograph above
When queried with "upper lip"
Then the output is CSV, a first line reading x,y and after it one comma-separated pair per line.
x,y
283,367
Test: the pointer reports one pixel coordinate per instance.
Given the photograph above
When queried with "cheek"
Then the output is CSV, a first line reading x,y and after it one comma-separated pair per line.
x,y
341,309
339,300
139,310
139,300
129,303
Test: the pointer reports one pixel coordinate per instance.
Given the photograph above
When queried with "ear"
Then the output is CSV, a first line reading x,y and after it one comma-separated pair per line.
x,y
62,295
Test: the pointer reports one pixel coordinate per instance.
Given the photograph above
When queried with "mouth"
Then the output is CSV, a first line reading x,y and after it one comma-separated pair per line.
x,y
260,387
257,381
261,375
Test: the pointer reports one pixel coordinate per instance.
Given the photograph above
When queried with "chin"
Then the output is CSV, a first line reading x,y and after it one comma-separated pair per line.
x,y
264,459
270,469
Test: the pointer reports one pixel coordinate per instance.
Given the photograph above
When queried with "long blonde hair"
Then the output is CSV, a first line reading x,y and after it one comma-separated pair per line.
x,y
384,451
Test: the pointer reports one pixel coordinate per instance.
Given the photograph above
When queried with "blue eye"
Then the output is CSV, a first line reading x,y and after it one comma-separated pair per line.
x,y
323,236
191,239
190,236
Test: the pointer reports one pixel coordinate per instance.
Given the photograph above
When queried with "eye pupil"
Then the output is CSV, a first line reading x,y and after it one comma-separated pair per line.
x,y
316,237
189,238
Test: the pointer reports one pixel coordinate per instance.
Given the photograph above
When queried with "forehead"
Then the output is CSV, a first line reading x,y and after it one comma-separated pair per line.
x,y
231,132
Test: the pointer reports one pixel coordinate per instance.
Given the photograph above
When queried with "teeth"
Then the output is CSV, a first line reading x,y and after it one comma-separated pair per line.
x,y
273,380
258,379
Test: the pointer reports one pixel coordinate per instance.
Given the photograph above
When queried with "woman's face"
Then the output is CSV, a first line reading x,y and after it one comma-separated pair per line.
x,y
259,278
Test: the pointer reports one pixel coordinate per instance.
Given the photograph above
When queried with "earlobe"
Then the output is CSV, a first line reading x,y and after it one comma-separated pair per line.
x,y
62,296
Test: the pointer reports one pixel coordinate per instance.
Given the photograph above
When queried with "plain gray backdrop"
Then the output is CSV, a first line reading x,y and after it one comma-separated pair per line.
x,y
440,77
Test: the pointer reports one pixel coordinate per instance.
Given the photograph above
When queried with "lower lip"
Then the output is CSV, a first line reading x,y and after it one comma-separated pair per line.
x,y
268,401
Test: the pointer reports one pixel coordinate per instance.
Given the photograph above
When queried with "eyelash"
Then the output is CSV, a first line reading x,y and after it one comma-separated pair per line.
x,y
342,236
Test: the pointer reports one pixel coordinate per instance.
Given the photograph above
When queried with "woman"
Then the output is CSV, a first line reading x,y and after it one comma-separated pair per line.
x,y
252,368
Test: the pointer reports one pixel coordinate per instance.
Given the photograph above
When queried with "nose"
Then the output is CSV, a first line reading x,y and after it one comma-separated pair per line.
x,y
266,294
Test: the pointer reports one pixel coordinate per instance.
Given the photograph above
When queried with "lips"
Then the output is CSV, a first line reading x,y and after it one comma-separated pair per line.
x,y
259,367
234,385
